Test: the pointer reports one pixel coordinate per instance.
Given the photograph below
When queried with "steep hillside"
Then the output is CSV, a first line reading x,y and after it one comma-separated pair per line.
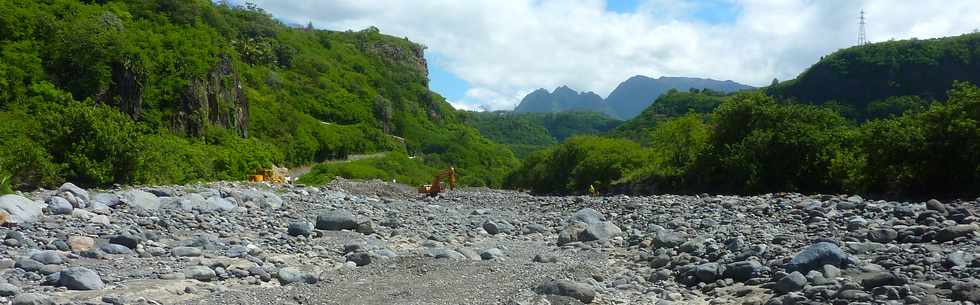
x,y
527,132
166,91
562,99
858,76
636,93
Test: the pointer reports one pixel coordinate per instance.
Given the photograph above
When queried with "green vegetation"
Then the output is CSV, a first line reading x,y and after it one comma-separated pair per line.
x,y
756,144
576,164
164,91
670,105
5,185
525,133
393,166
856,77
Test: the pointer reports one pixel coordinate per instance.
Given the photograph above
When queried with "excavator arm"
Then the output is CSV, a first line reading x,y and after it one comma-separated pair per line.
x,y
436,186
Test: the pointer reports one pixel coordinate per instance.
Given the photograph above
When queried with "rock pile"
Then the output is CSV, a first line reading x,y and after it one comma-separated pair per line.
x,y
377,243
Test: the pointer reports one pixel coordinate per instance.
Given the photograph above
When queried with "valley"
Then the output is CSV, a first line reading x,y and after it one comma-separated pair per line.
x,y
145,147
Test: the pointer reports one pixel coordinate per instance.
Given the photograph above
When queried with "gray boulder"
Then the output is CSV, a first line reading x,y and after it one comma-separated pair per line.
x,y
48,257
80,278
336,220
20,209
141,199
667,239
588,216
492,253
571,232
498,227
359,258
290,275
200,273
444,253
708,272
68,187
186,252
600,231
958,259
59,206
115,249
871,280
817,255
743,270
262,199
580,291
8,290
791,282
300,229
952,232
883,235
32,299
108,199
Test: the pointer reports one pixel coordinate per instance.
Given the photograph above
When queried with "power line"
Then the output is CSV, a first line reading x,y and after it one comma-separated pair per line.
x,y
862,34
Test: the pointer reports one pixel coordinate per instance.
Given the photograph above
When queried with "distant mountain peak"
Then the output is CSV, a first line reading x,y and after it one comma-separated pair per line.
x,y
626,101
562,99
638,92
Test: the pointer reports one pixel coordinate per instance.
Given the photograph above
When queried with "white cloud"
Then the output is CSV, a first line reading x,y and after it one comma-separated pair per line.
x,y
506,48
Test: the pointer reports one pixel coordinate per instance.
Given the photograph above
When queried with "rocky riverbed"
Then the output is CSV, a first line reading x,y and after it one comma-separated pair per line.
x,y
379,243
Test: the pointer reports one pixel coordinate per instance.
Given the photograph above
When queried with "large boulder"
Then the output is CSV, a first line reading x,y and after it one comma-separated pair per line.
x,y
80,278
197,202
952,232
200,273
32,299
817,255
78,192
20,209
107,199
743,270
708,272
571,232
59,206
336,220
141,199
301,228
600,231
580,291
262,199
290,275
667,239
498,227
792,282
588,216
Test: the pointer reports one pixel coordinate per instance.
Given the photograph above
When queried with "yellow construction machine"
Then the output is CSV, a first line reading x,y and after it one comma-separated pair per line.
x,y
436,186
275,175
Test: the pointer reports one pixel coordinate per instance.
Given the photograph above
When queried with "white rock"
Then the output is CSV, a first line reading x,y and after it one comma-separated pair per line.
x,y
21,209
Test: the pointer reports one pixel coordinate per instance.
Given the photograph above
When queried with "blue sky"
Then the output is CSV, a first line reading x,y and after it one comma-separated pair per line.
x,y
488,54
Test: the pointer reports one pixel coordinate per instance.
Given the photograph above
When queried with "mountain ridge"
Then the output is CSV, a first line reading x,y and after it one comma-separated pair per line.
x,y
626,101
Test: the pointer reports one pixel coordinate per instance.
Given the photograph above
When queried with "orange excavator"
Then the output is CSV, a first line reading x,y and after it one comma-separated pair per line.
x,y
436,186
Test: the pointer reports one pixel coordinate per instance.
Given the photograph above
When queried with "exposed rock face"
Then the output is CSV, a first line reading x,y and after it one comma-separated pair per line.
x,y
217,99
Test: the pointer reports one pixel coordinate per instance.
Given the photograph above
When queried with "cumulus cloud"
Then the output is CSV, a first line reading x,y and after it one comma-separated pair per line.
x,y
507,48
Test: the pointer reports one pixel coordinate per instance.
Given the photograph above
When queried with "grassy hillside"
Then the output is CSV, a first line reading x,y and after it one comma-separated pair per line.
x,y
166,91
859,77
527,132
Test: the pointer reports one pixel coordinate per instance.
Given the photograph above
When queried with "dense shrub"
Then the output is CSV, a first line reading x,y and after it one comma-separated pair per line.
x,y
578,163
394,166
